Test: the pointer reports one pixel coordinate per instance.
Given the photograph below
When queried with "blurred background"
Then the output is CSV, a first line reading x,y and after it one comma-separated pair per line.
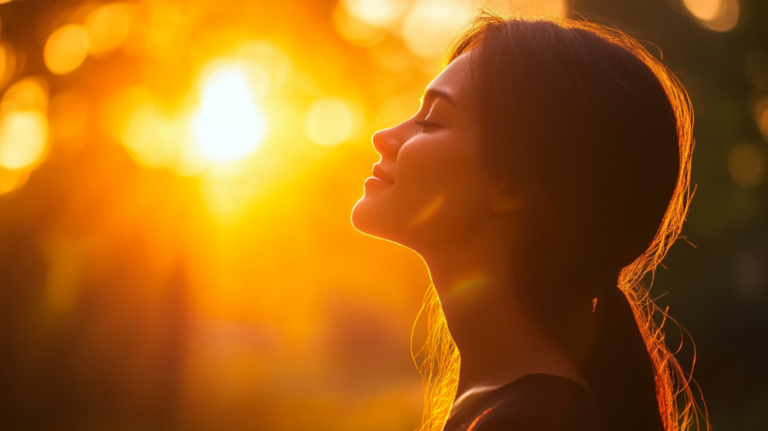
x,y
176,178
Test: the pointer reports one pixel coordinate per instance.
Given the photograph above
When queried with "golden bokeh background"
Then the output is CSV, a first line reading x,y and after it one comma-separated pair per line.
x,y
176,178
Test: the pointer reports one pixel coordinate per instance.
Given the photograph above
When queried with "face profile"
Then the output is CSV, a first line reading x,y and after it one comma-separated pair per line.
x,y
430,182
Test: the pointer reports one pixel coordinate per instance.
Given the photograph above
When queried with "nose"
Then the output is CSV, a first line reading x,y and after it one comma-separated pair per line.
x,y
386,143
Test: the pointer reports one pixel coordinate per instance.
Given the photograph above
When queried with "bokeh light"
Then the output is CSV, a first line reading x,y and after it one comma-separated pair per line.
x,y
66,49
152,136
376,13
431,25
746,165
756,68
354,30
11,180
229,125
331,121
23,124
107,28
761,116
22,139
706,10
717,15
7,63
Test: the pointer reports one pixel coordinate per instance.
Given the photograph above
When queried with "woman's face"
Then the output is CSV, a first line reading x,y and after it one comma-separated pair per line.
x,y
429,184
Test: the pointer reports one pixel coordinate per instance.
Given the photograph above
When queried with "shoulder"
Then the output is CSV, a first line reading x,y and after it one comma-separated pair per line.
x,y
537,402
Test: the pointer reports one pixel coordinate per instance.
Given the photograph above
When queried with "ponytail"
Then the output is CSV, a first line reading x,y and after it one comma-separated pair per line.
x,y
619,369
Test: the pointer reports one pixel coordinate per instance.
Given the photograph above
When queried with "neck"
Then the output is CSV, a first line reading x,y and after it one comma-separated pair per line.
x,y
496,338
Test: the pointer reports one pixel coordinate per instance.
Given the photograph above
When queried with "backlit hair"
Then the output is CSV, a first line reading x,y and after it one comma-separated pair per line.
x,y
647,205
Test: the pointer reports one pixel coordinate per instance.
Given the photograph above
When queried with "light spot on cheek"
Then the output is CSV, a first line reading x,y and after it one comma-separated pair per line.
x,y
427,212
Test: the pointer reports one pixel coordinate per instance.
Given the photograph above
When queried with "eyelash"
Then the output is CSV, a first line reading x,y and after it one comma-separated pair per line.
x,y
425,124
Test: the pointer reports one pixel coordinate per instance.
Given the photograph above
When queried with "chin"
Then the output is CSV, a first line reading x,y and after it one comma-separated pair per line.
x,y
372,218
364,217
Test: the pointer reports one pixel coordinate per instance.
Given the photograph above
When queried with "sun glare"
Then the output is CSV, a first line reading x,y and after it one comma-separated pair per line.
x,y
228,126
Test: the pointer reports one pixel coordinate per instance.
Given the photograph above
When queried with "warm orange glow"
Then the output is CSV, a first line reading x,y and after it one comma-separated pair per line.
x,y
66,49
11,180
152,137
228,126
551,8
430,25
29,94
107,28
68,113
7,63
377,13
330,121
354,30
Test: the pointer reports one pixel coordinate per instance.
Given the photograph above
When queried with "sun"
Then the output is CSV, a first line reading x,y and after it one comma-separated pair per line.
x,y
229,125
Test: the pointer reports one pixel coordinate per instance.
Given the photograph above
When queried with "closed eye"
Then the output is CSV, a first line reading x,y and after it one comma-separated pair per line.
x,y
427,124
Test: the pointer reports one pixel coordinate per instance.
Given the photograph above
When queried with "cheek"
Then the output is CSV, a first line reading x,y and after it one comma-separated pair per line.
x,y
441,187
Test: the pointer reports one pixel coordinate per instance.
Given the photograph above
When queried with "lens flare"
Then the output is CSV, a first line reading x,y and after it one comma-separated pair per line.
x,y
228,126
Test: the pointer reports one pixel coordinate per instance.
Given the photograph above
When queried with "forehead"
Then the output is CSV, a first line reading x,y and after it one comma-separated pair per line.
x,y
452,78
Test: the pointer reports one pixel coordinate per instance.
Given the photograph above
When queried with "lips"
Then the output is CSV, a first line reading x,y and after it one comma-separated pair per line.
x,y
381,174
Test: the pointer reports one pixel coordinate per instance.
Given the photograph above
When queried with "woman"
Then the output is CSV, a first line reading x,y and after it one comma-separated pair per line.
x,y
544,175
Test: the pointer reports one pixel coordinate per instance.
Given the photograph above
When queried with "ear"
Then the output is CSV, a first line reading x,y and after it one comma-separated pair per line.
x,y
508,201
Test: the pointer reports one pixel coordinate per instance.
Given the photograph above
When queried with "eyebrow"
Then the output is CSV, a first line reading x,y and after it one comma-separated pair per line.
x,y
435,93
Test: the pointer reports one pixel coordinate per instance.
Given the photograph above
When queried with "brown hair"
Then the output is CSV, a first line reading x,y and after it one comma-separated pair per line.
x,y
597,134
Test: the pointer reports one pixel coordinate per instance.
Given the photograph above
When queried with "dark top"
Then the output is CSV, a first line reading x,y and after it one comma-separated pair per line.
x,y
535,402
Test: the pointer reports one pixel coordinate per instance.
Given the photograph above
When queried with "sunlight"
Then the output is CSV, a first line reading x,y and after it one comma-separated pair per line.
x,y
228,126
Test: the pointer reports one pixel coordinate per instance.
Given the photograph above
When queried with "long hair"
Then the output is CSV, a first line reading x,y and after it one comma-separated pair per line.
x,y
597,134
